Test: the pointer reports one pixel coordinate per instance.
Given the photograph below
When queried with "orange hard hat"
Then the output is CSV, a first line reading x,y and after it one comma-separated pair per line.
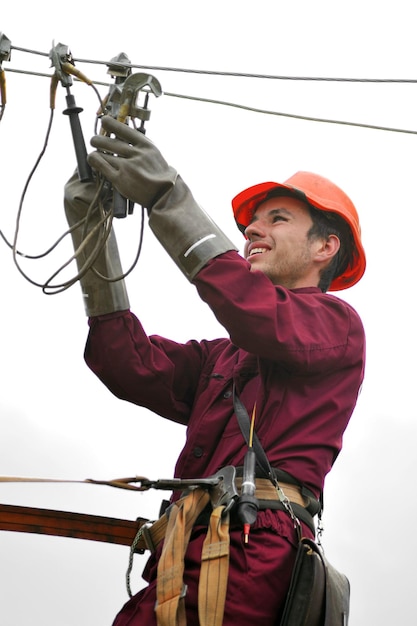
x,y
322,194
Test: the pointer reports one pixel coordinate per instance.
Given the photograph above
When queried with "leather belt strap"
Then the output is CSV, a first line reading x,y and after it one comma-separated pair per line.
x,y
265,490
150,535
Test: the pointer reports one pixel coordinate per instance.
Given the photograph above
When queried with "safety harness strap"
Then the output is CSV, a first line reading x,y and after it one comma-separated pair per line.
x,y
170,589
214,570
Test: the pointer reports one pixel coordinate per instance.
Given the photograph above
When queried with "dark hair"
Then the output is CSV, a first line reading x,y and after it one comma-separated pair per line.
x,y
326,223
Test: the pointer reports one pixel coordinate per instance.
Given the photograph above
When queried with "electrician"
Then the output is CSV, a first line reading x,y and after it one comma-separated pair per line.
x,y
294,351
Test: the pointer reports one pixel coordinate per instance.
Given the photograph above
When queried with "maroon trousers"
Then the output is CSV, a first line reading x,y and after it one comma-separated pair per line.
x,y
259,576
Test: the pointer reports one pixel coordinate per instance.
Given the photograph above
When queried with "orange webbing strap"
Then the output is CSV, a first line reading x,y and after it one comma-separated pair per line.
x,y
170,592
214,570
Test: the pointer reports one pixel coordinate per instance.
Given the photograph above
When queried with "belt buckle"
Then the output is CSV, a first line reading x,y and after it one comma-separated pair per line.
x,y
145,534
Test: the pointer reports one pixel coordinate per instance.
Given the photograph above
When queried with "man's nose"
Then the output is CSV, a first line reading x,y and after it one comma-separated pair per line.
x,y
255,229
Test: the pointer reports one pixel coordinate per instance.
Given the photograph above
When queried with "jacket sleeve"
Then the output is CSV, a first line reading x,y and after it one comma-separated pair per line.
x,y
304,330
153,372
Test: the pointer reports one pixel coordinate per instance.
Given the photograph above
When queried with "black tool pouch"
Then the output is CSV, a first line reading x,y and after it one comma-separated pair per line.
x,y
318,595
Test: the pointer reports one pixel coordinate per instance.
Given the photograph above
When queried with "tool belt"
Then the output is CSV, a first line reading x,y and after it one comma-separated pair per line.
x,y
200,505
152,533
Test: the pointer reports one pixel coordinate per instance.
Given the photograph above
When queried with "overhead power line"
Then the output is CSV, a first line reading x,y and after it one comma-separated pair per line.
x,y
162,68
124,65
241,106
293,115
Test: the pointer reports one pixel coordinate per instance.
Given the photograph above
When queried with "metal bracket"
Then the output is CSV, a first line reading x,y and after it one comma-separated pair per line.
x,y
60,54
224,492
119,69
5,48
119,66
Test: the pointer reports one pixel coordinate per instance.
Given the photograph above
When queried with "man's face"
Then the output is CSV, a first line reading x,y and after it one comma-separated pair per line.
x,y
277,243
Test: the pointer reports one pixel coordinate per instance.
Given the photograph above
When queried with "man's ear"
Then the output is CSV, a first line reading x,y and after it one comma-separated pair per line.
x,y
328,249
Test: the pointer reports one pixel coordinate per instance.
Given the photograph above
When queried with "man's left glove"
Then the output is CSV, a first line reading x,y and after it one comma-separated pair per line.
x,y
100,296
139,172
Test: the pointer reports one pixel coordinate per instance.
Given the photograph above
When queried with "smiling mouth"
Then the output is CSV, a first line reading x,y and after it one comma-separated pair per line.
x,y
257,251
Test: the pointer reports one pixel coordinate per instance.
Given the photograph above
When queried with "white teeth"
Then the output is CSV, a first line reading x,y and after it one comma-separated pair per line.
x,y
257,251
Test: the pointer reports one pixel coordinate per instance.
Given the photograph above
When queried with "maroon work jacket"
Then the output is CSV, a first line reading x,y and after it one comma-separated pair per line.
x,y
299,354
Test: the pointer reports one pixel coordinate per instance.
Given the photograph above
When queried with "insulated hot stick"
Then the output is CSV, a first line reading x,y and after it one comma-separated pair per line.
x,y
64,68
248,504
84,170
120,70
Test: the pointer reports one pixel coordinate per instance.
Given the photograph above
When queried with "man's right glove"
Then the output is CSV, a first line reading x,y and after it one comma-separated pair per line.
x,y
137,169
100,296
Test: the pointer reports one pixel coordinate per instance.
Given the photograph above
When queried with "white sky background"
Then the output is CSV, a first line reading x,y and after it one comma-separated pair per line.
x,y
57,420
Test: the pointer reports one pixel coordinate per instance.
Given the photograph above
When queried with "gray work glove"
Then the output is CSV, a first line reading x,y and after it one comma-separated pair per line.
x,y
100,296
139,172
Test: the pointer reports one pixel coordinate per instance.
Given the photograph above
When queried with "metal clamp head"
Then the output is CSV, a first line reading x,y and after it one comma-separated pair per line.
x,y
119,69
60,54
119,66
5,48
132,86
